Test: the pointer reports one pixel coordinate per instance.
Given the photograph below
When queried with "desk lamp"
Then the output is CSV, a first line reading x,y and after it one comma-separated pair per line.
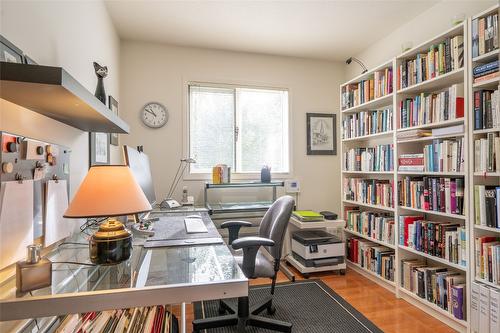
x,y
169,202
109,191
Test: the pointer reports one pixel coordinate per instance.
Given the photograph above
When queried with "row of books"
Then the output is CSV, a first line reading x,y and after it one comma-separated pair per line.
x,y
378,158
487,153
378,226
439,239
437,285
487,258
484,308
366,123
369,191
151,319
442,58
487,206
438,194
486,109
366,90
373,257
431,108
426,133
484,35
485,72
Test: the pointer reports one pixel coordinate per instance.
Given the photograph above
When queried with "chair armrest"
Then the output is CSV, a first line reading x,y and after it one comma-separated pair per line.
x,y
234,228
250,246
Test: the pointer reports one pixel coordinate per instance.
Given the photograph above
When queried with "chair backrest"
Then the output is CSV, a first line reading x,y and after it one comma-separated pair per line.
x,y
275,222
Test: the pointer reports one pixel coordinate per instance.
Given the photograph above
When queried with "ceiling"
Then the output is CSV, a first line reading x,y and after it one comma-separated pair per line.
x,y
332,30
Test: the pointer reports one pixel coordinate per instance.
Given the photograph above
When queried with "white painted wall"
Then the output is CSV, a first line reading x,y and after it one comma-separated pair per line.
x,y
422,27
155,72
72,35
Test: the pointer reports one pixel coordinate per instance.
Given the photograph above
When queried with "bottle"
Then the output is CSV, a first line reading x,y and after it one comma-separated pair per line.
x,y
33,273
184,194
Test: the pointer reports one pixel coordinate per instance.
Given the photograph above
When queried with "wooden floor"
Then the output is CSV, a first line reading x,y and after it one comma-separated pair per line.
x,y
373,301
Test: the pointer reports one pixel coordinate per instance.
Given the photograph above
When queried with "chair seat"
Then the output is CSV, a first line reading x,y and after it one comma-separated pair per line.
x,y
263,266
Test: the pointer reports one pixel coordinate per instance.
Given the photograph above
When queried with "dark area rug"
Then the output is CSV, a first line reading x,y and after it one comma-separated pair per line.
x,y
311,306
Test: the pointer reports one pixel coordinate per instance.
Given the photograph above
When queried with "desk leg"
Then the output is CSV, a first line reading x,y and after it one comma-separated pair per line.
x,y
183,317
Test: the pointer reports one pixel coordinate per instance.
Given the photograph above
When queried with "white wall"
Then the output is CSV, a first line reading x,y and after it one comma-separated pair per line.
x,y
155,72
72,35
422,27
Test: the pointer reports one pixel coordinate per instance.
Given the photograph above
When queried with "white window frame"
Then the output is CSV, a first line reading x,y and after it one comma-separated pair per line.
x,y
188,175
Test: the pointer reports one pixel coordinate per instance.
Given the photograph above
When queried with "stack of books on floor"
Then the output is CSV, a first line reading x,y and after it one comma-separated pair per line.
x,y
438,194
153,319
378,226
487,206
487,153
366,90
432,108
369,191
485,308
373,257
484,35
378,158
439,239
486,109
437,285
307,216
442,58
366,123
487,254
485,72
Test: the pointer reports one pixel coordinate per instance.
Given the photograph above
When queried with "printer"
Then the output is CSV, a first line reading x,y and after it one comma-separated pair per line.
x,y
317,248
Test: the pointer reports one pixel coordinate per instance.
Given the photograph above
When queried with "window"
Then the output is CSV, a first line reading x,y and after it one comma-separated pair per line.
x,y
244,128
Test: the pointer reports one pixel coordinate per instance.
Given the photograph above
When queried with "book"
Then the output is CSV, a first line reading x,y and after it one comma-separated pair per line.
x,y
366,123
494,310
369,191
378,158
371,256
484,309
307,215
379,84
486,77
377,226
458,301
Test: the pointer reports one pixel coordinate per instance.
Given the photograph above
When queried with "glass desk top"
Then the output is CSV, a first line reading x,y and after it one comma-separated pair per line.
x,y
195,272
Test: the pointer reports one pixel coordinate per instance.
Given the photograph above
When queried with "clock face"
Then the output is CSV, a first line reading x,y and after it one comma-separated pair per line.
x,y
154,115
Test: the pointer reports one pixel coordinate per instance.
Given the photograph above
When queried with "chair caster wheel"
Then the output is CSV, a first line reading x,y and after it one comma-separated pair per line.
x,y
271,310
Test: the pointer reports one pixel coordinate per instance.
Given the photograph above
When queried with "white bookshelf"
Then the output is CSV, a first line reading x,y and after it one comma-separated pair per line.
x,y
415,145
479,178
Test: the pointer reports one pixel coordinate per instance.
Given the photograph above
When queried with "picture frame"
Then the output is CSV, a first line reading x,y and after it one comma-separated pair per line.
x,y
321,134
113,106
9,52
99,148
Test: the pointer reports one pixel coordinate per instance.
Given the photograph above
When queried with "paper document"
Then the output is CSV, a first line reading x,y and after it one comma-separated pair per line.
x,y
194,225
16,220
56,202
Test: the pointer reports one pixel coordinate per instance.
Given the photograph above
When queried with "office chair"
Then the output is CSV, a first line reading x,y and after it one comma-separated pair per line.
x,y
249,253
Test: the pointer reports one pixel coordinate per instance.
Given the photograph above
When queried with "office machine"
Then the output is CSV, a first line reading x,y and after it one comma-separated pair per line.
x,y
317,248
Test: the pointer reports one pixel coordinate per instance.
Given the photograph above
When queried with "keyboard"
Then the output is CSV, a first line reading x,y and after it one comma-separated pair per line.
x,y
194,225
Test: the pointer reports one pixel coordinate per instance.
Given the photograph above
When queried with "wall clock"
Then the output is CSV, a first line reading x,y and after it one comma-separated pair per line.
x,y
154,115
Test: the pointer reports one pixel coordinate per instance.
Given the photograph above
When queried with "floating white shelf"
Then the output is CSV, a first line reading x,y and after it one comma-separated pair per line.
x,y
455,216
437,259
352,232
379,207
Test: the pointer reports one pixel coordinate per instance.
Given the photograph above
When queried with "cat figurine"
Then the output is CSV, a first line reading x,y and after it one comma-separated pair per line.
x,y
101,72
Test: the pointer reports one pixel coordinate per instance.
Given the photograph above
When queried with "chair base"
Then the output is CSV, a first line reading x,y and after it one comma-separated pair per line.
x,y
243,317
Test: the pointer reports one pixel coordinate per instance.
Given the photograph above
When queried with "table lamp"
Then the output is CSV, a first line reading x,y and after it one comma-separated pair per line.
x,y
109,191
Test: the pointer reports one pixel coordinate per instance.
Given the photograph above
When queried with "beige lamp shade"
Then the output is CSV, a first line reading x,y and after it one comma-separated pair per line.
x,y
108,190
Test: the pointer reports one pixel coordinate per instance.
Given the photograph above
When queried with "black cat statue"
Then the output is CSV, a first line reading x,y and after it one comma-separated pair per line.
x,y
101,72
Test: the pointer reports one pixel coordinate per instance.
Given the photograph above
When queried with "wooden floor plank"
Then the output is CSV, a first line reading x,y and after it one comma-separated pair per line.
x,y
376,303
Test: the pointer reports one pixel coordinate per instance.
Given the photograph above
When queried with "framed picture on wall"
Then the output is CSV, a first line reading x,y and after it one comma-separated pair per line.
x,y
9,52
99,149
113,105
321,134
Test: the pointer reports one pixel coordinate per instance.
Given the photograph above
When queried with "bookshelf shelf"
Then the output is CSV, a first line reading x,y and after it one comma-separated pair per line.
x,y
436,259
378,207
376,278
433,173
486,174
369,172
486,131
352,232
373,104
485,228
430,138
491,284
439,82
423,211
486,57
434,307
492,83
433,125
369,137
